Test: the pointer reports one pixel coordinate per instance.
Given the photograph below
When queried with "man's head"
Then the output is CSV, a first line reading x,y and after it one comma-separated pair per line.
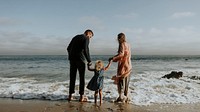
x,y
88,33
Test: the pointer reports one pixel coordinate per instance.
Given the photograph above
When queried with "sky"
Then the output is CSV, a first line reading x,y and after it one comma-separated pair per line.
x,y
152,27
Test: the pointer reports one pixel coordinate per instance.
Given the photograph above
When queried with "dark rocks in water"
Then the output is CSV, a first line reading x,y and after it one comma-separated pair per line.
x,y
195,77
108,92
174,74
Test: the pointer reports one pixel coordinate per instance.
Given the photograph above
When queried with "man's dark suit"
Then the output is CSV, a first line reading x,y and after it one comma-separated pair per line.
x,y
78,52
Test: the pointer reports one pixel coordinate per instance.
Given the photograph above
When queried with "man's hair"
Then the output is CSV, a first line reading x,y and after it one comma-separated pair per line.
x,y
88,30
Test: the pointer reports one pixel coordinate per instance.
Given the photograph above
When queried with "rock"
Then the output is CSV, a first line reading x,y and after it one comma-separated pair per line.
x,y
195,77
174,74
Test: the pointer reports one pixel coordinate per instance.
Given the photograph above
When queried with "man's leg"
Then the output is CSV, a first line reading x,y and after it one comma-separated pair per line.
x,y
73,71
81,69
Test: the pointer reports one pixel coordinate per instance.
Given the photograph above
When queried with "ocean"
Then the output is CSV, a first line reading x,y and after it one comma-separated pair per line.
x,y
46,77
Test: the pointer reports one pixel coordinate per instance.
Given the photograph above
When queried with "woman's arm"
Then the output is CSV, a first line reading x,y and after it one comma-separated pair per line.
x,y
120,53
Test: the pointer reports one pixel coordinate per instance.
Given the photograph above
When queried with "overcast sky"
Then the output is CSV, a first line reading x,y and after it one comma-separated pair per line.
x,y
152,27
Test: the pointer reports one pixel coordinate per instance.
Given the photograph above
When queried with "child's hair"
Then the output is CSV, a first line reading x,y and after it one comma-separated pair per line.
x,y
98,65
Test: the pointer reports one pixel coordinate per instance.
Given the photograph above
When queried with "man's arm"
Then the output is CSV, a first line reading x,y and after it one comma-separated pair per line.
x,y
86,50
69,46
90,68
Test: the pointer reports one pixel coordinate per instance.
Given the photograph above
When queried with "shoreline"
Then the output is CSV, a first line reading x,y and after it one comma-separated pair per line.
x,y
35,105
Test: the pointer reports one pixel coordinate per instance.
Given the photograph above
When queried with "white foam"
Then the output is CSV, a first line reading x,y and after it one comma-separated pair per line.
x,y
153,89
145,89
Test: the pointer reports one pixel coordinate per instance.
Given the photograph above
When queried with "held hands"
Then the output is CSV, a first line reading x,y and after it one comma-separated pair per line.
x,y
89,63
110,59
89,66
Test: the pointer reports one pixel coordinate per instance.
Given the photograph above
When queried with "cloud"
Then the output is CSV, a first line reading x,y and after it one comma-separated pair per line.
x,y
164,41
143,41
92,21
27,43
179,15
103,46
127,16
5,21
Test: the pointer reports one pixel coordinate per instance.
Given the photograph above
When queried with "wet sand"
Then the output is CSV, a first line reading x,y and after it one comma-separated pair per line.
x,y
17,105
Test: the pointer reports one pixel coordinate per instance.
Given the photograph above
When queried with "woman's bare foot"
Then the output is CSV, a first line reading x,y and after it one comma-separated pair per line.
x,y
119,99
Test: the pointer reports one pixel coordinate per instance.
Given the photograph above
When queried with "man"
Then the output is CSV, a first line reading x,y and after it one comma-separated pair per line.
x,y
78,52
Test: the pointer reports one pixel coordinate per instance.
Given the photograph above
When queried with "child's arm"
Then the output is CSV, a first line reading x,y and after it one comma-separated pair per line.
x,y
106,68
89,68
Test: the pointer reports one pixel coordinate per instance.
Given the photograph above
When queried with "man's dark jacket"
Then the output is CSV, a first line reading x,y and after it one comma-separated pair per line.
x,y
78,48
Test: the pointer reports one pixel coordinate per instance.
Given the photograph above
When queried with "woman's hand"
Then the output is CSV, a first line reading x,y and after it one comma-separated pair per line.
x,y
110,59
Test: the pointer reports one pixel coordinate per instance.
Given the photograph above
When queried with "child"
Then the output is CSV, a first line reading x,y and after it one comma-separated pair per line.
x,y
96,83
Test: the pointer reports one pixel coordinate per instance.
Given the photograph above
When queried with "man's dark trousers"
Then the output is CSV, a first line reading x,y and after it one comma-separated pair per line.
x,y
74,66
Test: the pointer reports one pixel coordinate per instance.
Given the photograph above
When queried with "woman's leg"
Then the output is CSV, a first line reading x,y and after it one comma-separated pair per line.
x,y
122,86
120,89
126,84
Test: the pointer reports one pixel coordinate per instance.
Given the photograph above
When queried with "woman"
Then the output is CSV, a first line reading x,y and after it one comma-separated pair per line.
x,y
124,67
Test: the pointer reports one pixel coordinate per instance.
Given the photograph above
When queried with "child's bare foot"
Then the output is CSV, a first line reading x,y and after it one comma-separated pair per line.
x,y
100,103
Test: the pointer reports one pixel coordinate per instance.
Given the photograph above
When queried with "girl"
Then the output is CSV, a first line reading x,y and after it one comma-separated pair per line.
x,y
96,83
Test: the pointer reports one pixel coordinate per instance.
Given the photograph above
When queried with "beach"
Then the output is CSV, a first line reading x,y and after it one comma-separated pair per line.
x,y
18,105
42,83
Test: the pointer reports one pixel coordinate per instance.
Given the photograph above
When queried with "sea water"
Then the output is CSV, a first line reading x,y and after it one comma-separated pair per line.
x,y
47,77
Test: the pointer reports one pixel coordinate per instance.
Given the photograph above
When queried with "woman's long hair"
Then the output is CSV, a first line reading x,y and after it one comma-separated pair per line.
x,y
121,38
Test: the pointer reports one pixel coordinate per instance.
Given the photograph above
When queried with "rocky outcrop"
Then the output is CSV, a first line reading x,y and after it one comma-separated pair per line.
x,y
174,74
195,77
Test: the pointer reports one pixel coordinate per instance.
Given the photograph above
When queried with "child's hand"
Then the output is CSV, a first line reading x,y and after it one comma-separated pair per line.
x,y
89,64
110,59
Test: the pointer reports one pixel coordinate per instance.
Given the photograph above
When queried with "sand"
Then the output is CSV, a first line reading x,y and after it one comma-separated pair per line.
x,y
18,105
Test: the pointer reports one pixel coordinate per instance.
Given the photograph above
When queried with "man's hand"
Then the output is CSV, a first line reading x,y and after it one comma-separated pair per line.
x,y
89,63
